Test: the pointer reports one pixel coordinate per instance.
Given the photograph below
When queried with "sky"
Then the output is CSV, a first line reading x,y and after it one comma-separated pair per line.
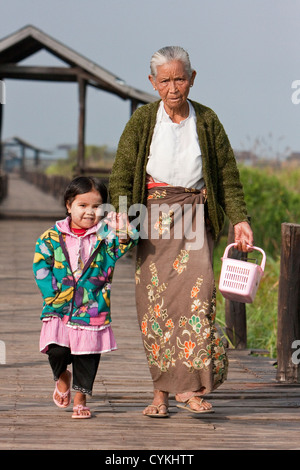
x,y
246,54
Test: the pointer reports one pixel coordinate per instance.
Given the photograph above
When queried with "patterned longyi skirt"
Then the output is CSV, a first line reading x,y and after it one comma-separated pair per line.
x,y
176,296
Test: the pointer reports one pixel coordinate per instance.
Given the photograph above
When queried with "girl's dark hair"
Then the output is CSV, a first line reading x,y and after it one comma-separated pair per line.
x,y
84,184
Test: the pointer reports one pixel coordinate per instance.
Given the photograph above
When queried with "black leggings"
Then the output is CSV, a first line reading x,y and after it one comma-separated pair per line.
x,y
84,366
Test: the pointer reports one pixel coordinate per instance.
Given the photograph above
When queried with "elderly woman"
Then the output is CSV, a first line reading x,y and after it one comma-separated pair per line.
x,y
175,158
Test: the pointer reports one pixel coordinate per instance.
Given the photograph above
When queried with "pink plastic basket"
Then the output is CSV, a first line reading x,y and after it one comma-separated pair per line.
x,y
239,280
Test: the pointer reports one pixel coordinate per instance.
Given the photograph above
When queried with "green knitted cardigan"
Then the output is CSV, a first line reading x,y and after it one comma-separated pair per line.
x,y
224,189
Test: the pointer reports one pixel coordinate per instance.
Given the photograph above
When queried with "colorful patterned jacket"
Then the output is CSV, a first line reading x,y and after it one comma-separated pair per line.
x,y
85,302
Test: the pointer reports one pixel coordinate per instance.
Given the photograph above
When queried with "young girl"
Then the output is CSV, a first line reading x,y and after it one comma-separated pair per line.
x,y
73,267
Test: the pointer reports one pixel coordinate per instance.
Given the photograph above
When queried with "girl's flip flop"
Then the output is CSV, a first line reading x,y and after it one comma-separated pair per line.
x,y
77,412
62,395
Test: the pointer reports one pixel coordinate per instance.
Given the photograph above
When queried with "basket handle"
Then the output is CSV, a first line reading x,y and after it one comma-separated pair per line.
x,y
263,262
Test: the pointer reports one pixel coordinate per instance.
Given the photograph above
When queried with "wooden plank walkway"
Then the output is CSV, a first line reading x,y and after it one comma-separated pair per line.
x,y
252,411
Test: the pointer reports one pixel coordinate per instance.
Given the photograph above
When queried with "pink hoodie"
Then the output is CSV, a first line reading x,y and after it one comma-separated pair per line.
x,y
79,248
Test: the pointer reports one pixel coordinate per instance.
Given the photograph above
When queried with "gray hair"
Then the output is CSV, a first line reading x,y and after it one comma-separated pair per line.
x,y
168,54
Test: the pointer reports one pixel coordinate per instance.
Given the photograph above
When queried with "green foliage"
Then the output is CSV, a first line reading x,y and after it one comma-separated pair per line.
x,y
95,157
289,176
269,204
64,166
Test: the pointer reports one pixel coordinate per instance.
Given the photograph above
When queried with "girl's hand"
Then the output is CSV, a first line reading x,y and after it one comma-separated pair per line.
x,y
119,223
243,236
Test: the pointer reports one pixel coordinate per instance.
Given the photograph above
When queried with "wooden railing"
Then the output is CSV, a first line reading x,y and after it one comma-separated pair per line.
x,y
3,185
54,184
288,327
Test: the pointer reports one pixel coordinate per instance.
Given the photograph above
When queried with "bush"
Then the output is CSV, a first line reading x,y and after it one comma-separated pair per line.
x,y
269,205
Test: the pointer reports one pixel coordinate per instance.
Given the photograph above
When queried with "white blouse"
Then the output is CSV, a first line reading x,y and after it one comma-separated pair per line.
x,y
175,155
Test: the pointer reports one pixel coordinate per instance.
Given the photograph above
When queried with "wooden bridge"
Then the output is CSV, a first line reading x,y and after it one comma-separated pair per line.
x,y
252,410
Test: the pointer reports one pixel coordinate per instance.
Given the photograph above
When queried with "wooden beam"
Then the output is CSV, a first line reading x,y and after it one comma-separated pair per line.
x,y
133,106
27,41
1,144
36,158
68,74
81,126
56,74
23,158
2,103
288,328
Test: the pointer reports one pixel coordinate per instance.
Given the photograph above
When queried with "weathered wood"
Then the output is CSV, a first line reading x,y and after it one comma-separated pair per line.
x,y
29,40
1,130
61,74
288,336
26,201
252,410
23,159
3,185
133,106
56,184
49,184
17,141
81,125
235,312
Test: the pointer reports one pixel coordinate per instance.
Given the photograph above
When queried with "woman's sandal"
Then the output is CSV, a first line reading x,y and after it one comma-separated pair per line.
x,y
158,414
77,412
187,406
62,395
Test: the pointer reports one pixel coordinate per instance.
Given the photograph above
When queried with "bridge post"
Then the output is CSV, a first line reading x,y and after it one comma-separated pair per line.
x,y
1,122
81,126
288,329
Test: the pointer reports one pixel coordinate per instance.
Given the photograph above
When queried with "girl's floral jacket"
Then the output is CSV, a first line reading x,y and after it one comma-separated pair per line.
x,y
85,301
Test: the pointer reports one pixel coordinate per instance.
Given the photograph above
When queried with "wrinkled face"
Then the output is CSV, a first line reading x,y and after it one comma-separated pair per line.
x,y
85,210
173,84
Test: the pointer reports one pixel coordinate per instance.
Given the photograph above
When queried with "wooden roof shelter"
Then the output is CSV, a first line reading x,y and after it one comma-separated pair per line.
x,y
23,145
29,40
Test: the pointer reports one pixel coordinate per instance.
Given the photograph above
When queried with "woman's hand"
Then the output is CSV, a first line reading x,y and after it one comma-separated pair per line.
x,y
243,236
